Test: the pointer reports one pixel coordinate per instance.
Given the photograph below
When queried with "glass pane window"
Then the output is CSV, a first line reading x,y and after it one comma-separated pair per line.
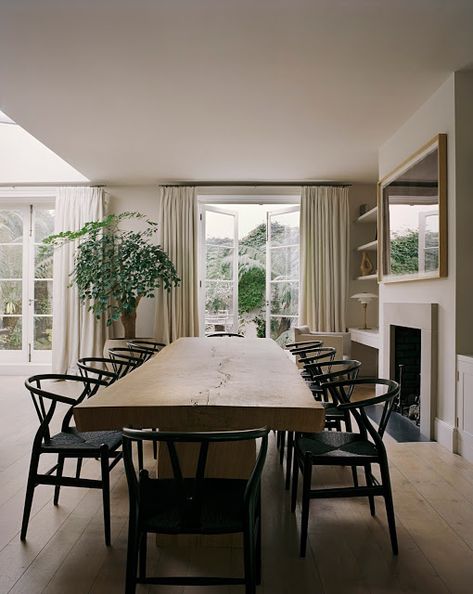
x,y
10,333
11,226
26,271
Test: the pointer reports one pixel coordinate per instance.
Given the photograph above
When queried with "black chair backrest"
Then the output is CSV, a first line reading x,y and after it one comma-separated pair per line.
x,y
142,343
216,334
344,369
133,357
312,362
300,348
342,392
101,368
46,400
191,489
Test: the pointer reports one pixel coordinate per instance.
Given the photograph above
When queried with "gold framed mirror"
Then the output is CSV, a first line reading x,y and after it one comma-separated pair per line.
x,y
412,216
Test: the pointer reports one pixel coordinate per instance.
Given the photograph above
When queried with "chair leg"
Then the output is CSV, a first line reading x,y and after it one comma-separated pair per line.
x,y
131,557
307,479
282,446
155,447
355,476
290,448
79,467
388,499
140,455
249,559
29,494
105,492
295,481
143,553
258,560
369,483
60,468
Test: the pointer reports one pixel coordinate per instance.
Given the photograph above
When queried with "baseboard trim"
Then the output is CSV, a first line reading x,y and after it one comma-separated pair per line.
x,y
465,445
445,434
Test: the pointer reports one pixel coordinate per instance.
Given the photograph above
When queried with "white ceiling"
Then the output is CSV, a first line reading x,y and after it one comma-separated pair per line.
x,y
140,91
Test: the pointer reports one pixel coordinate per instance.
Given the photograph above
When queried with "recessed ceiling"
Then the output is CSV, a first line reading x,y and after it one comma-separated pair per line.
x,y
158,90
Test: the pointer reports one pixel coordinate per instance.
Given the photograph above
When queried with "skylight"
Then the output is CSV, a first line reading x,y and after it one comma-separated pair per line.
x,y
4,119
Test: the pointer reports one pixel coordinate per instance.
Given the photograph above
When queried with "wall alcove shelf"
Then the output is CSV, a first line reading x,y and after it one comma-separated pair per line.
x,y
370,216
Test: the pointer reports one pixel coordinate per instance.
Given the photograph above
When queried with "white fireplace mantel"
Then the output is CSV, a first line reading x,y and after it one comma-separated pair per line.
x,y
423,316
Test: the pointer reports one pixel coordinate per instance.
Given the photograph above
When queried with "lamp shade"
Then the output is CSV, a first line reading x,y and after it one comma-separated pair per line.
x,y
364,297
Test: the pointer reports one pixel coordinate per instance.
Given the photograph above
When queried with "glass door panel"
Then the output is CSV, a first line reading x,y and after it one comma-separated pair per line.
x,y
41,289
282,273
220,264
13,254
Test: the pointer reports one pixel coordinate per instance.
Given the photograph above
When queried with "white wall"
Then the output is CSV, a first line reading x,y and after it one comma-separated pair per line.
x,y
436,116
464,209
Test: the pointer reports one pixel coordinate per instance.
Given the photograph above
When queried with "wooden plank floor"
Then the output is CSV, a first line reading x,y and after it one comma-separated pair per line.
x,y
349,551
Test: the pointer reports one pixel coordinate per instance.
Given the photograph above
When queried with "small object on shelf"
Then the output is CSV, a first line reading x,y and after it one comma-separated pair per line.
x,y
366,266
364,299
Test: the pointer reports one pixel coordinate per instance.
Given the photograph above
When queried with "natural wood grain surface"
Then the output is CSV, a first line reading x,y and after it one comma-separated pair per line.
x,y
208,384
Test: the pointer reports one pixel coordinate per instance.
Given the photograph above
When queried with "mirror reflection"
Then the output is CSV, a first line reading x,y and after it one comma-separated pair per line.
x,y
411,218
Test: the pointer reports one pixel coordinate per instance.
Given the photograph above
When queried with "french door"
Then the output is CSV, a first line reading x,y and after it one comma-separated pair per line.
x,y
219,269
25,284
282,272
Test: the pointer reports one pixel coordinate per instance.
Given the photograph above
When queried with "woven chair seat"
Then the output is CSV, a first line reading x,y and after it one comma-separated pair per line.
x,y
335,444
220,509
85,440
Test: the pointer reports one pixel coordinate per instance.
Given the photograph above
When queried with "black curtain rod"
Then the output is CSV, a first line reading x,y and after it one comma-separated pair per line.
x,y
249,184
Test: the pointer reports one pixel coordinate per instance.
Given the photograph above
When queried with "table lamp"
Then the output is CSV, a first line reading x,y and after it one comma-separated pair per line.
x,y
364,299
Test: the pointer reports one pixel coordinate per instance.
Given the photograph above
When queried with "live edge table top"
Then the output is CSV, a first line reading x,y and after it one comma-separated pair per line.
x,y
197,384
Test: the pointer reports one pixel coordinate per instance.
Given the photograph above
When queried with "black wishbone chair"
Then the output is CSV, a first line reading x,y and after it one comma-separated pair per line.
x,y
298,347
337,448
136,355
346,369
144,343
317,354
193,505
100,369
68,443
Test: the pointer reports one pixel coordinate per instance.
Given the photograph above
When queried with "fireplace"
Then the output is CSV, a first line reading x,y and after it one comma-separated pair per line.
x,y
409,355
406,358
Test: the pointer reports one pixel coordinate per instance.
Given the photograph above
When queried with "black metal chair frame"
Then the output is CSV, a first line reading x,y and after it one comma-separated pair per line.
x,y
189,494
304,460
45,403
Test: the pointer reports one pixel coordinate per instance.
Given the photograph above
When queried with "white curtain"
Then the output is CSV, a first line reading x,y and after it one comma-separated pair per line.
x,y
177,311
76,332
324,236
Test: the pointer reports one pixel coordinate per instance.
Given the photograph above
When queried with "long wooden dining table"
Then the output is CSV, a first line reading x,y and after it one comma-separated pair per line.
x,y
198,384
208,384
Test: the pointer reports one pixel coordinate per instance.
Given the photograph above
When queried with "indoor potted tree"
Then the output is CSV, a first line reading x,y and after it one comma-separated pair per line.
x,y
115,268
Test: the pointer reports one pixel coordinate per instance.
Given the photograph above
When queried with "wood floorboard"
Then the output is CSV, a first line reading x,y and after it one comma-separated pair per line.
x,y
349,551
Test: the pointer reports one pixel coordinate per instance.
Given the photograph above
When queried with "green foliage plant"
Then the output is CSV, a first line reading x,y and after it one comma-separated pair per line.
x,y
115,268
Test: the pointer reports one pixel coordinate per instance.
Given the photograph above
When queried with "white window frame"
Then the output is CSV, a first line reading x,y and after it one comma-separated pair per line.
x,y
26,200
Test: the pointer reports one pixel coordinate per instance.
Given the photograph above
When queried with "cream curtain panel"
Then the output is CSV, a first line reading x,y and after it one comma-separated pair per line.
x,y
177,311
325,241
76,333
